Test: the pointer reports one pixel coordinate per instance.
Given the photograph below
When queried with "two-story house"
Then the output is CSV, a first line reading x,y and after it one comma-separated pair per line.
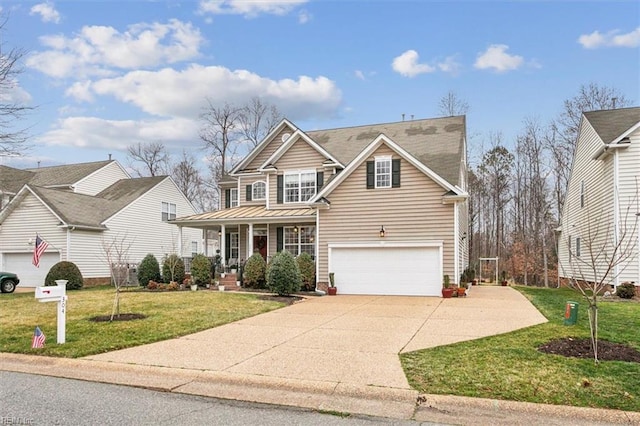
x,y
77,207
383,207
599,238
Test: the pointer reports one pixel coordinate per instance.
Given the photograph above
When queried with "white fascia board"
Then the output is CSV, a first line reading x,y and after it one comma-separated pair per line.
x,y
292,139
262,144
375,144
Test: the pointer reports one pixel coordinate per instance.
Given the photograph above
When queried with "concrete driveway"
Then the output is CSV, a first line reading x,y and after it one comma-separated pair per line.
x,y
343,339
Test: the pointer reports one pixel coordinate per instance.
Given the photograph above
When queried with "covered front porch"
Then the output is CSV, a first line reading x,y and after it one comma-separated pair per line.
x,y
242,231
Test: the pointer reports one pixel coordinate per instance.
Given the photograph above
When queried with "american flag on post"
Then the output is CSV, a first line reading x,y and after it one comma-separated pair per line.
x,y
38,338
41,246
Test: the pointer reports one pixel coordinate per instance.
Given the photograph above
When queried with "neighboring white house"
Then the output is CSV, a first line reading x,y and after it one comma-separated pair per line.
x,y
77,207
601,210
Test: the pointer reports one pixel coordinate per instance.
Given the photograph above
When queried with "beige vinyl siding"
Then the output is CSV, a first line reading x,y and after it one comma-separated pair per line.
x,y
269,149
101,179
29,218
141,223
242,194
300,156
593,223
412,213
628,184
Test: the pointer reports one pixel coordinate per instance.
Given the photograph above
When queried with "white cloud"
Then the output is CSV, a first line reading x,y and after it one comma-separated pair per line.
x,y
407,64
497,58
92,132
304,17
47,12
183,92
359,75
99,50
610,39
449,65
248,8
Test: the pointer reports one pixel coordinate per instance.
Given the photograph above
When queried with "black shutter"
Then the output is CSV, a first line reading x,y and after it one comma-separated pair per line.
x,y
227,245
371,175
248,190
227,198
280,192
279,238
319,181
395,173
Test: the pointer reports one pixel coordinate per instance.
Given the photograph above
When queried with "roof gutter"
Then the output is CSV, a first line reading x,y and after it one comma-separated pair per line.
x,y
603,152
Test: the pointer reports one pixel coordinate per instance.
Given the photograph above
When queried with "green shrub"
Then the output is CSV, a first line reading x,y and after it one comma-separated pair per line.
x,y
65,271
200,269
283,275
173,268
255,271
626,291
148,270
307,271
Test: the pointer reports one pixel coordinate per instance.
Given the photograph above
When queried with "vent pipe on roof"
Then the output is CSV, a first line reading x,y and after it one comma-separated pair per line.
x,y
109,157
38,163
402,116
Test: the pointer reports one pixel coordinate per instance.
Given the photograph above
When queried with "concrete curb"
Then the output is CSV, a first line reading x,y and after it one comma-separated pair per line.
x,y
316,395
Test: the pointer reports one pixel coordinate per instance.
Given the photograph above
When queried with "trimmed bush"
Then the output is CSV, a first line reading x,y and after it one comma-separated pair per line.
x,y
148,270
626,290
307,271
200,269
283,275
175,263
65,271
255,271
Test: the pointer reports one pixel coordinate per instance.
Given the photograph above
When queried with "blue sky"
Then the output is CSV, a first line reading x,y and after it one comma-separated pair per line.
x,y
108,74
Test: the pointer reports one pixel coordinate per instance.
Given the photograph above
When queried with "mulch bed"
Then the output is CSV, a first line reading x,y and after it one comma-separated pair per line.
x,y
121,317
289,300
581,348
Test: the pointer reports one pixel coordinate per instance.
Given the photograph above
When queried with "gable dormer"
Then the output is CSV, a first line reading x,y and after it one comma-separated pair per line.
x,y
266,148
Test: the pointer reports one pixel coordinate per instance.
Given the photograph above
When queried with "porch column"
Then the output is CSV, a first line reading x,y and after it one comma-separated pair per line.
x,y
180,241
223,237
206,242
250,242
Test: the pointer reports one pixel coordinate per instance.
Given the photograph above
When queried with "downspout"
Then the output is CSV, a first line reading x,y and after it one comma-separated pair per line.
x,y
456,243
318,251
68,249
616,218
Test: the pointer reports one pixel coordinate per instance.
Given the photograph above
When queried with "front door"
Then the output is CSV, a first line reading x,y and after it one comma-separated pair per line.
x,y
260,245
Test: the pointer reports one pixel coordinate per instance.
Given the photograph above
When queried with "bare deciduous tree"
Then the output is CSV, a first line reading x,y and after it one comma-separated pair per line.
x,y
153,157
116,252
257,119
220,133
450,105
189,180
13,139
604,251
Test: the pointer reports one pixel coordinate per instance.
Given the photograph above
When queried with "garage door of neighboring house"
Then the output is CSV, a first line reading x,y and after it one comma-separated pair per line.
x,y
409,269
30,276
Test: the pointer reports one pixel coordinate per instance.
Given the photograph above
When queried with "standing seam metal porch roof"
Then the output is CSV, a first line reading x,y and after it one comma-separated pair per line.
x,y
245,213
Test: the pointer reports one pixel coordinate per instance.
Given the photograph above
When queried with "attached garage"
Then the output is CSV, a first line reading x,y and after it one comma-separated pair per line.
x,y
30,276
401,269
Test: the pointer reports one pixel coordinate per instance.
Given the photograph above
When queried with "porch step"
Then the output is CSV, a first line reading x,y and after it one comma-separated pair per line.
x,y
229,282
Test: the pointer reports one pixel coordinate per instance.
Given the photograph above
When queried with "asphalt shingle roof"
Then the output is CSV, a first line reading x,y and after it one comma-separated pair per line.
x,y
11,180
611,123
437,142
66,174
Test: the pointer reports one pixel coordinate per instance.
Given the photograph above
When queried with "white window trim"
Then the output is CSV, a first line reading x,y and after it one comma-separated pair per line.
x,y
253,191
231,246
171,213
299,173
386,158
231,197
299,243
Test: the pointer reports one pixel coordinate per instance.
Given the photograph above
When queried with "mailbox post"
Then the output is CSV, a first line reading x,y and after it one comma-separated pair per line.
x,y
56,294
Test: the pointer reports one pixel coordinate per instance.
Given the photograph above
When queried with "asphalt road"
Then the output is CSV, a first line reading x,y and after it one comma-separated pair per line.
x,y
42,400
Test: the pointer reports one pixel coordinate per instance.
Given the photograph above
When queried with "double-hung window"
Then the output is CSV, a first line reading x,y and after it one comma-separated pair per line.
x,y
233,197
300,240
258,190
383,172
168,211
299,187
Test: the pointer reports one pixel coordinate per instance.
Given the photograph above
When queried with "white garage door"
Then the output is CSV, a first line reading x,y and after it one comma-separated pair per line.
x,y
30,276
408,270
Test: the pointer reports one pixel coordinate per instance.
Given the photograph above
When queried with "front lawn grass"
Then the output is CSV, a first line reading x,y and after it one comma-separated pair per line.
x,y
168,315
510,367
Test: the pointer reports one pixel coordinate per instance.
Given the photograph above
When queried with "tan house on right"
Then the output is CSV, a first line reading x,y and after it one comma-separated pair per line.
x,y
599,239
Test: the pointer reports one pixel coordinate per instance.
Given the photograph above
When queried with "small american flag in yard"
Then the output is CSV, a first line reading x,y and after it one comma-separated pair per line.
x,y
41,246
38,338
